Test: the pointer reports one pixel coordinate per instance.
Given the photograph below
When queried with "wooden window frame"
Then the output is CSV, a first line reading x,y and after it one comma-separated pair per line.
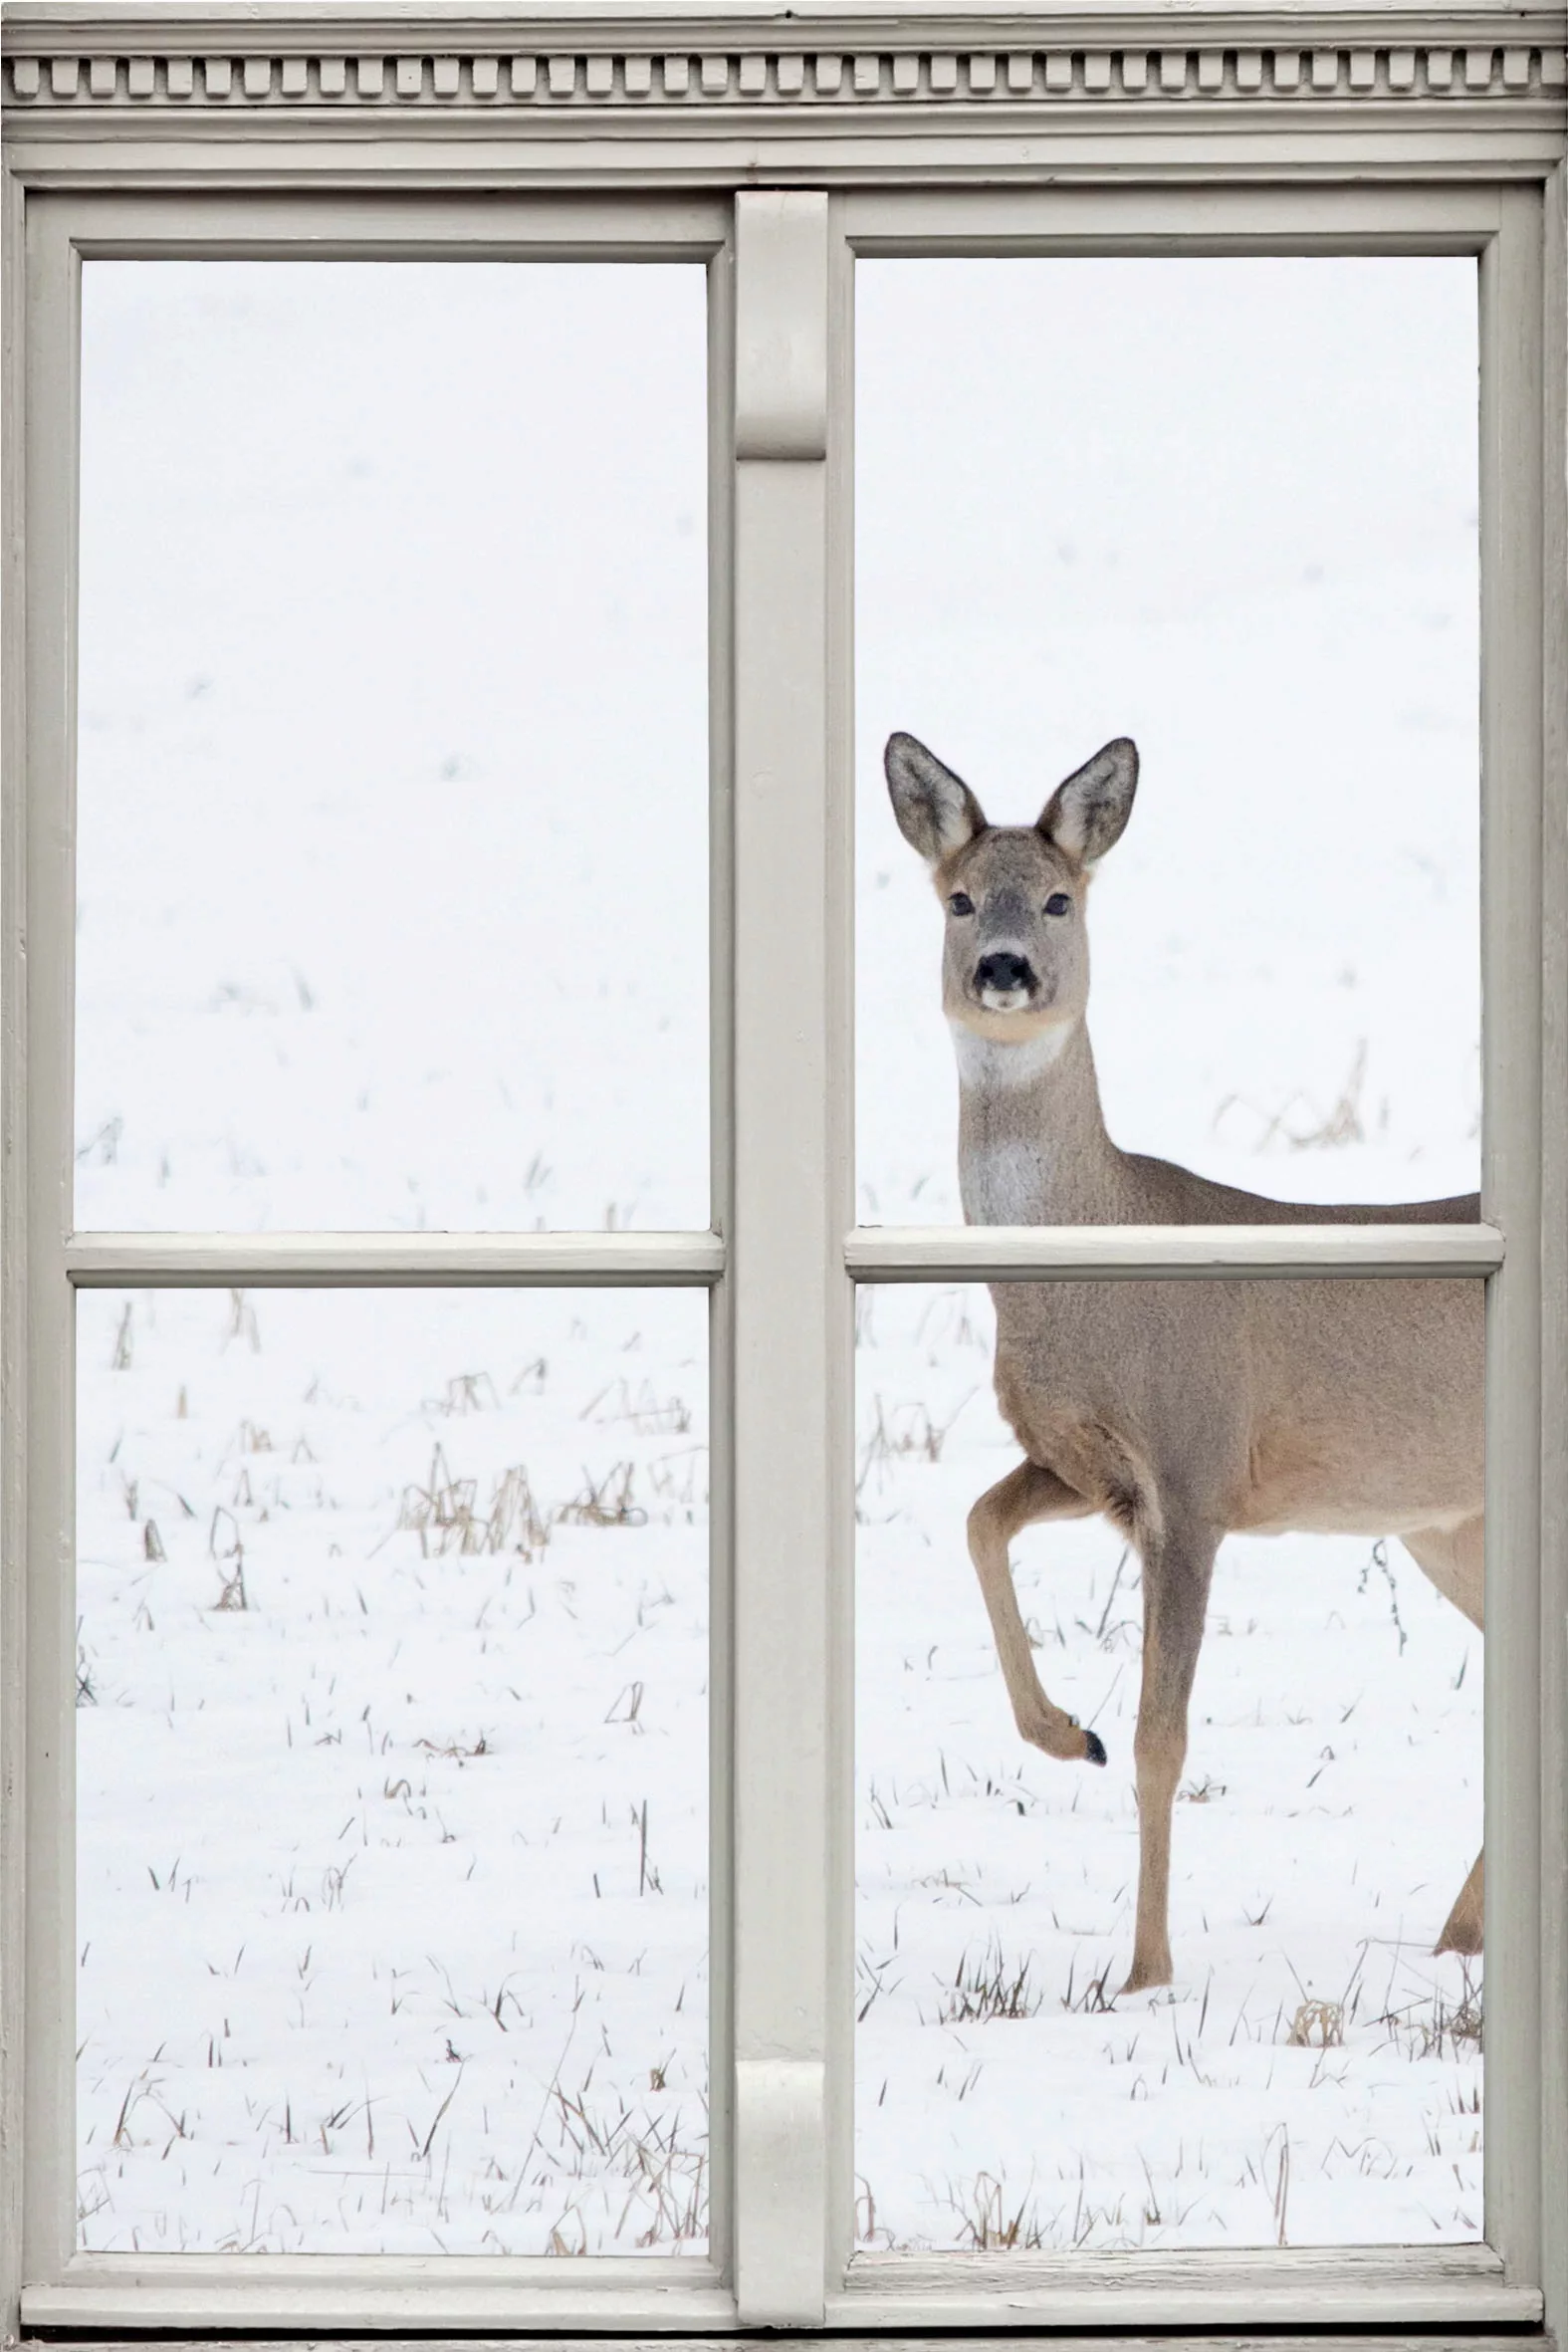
x,y
774,148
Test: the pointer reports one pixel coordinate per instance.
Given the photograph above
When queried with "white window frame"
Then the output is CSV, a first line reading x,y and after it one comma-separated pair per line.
x,y
775,148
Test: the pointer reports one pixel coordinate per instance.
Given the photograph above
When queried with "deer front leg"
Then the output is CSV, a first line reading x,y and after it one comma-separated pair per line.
x,y
1454,1559
1463,1928
1177,1570
1026,1495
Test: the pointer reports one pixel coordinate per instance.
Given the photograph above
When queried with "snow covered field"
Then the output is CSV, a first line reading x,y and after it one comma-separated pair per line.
x,y
1313,2074
394,913
1227,508
393,1735
393,1865
393,706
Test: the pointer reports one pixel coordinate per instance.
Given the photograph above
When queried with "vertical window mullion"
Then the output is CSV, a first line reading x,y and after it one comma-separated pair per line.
x,y
49,2174
790,1301
1512,774
721,1314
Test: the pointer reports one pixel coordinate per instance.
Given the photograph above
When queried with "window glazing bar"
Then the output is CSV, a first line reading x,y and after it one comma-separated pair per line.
x,y
390,1261
1144,1252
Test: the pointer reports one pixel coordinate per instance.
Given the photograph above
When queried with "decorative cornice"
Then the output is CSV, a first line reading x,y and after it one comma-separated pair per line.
x,y
261,61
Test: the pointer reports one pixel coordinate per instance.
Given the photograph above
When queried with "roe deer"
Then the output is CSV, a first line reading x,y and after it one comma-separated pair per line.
x,y
1180,1410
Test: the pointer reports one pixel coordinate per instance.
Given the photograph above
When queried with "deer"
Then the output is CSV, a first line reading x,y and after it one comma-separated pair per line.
x,y
1181,1411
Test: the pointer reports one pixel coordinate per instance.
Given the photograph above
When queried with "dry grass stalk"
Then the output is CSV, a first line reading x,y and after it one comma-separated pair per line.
x,y
606,1502
223,1546
1317,2025
1326,1130
985,1987
470,1392
650,1414
443,1514
516,1523
989,2226
242,1322
668,2179
676,1478
1283,2189
1441,2028
908,1432
231,1589
1093,2001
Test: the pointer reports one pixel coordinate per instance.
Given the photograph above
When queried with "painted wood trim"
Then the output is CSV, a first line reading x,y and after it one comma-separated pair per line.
x,y
790,1304
371,2296
1360,2268
1463,125
593,2273
1513,684
1105,215
115,223
780,343
48,1562
1553,1685
1378,2340
1329,2287
391,1261
720,1302
1283,2340
13,1245
844,1461
1143,1253
832,66
1346,2287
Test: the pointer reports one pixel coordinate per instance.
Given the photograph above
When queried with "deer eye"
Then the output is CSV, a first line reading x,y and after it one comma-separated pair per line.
x,y
961,903
1058,903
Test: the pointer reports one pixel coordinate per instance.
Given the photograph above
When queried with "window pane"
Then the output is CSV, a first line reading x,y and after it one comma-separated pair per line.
x,y
1311,2073
1226,508
392,746
392,1881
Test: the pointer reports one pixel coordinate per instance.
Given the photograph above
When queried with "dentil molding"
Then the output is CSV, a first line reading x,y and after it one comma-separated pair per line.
x,y
831,68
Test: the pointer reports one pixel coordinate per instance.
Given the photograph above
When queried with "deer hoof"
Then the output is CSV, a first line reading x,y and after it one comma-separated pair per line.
x,y
1093,1748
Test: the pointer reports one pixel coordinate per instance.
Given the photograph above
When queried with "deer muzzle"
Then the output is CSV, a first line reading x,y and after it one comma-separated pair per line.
x,y
1004,981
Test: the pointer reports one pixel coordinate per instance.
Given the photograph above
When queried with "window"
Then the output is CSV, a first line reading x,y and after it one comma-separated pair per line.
x,y
758,298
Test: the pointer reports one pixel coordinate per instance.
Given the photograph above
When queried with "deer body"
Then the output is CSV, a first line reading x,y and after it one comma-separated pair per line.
x,y
1182,1411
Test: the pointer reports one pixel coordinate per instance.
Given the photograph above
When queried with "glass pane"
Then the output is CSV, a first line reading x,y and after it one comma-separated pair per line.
x,y
393,746
1311,2074
1225,509
392,1873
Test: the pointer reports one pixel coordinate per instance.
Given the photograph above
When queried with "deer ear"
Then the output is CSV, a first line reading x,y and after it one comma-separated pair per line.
x,y
936,810
1086,815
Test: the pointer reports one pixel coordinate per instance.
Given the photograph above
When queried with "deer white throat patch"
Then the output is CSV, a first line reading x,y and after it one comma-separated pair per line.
x,y
985,1063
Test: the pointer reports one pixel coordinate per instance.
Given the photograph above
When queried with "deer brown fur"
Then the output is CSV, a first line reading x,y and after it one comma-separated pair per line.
x,y
1182,1411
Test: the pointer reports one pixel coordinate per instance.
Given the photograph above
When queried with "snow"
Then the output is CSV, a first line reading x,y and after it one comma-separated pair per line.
x,y
393,746
392,1881
394,1862
1227,508
1329,1810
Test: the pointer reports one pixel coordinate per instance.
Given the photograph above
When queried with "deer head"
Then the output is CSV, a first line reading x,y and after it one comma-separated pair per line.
x,y
1016,958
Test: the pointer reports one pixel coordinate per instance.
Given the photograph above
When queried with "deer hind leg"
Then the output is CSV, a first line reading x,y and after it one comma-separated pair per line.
x,y
1454,1560
1178,1568
1026,1495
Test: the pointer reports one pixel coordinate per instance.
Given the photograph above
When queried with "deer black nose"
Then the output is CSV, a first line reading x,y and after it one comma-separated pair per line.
x,y
1004,971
